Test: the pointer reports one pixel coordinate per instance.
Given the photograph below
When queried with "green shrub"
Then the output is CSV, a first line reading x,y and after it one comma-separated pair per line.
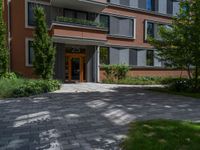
x,y
7,86
19,75
34,87
184,85
22,87
8,75
142,80
80,21
136,80
168,80
116,72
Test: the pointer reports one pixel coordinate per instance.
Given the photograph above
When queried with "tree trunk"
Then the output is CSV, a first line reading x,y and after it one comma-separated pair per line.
x,y
196,77
189,72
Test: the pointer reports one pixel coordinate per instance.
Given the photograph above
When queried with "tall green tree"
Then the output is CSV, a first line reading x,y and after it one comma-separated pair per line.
x,y
180,44
4,55
44,51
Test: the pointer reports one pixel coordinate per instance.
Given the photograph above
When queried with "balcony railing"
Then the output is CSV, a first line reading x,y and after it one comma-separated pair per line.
x,y
80,22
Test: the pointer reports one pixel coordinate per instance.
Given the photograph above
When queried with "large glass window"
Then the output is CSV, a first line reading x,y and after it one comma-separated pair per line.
x,y
104,20
69,13
31,17
31,20
125,2
150,5
121,26
92,16
169,6
150,58
104,55
79,15
150,29
30,53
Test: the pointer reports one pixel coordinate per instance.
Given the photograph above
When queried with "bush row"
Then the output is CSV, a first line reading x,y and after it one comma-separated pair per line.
x,y
142,80
34,87
11,85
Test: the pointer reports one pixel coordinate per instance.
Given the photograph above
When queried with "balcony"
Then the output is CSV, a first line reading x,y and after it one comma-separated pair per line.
x,y
79,23
78,31
84,5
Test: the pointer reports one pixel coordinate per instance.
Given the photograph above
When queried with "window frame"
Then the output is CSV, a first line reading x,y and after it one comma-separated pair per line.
x,y
133,19
28,41
108,55
27,13
152,34
108,17
152,64
29,21
149,5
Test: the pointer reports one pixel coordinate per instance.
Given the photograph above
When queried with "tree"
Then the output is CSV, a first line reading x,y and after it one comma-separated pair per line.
x,y
4,55
180,43
44,51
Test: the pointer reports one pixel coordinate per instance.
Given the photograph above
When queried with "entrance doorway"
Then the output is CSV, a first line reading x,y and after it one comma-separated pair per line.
x,y
74,67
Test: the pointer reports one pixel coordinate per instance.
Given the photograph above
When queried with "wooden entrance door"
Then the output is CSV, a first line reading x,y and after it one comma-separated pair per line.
x,y
75,67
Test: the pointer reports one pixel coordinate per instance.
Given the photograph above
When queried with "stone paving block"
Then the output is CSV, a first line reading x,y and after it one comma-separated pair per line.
x,y
85,116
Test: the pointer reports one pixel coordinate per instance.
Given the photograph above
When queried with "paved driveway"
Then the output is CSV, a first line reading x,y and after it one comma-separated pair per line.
x,y
85,116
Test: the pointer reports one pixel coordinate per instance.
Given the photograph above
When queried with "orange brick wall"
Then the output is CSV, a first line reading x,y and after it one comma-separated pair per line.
x,y
19,33
139,72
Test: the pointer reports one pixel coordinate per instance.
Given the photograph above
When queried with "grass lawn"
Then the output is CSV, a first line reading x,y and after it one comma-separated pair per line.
x,y
165,90
163,135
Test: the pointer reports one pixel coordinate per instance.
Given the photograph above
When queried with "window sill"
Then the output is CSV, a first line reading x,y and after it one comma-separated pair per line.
x,y
121,36
28,65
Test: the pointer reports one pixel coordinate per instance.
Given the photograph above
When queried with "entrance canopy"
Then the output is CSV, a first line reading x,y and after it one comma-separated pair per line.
x,y
78,41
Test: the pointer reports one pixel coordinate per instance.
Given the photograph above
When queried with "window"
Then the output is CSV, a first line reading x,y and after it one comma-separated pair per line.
x,y
104,55
31,17
69,13
92,16
176,8
169,6
104,20
125,2
121,26
150,5
31,20
133,57
150,58
81,15
150,29
30,53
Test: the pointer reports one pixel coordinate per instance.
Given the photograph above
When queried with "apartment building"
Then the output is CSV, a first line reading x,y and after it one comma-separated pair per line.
x,y
90,33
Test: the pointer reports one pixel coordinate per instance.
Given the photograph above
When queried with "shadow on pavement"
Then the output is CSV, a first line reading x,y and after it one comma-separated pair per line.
x,y
89,120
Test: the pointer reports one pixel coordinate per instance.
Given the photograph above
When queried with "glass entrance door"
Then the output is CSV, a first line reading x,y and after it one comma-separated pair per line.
x,y
75,69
